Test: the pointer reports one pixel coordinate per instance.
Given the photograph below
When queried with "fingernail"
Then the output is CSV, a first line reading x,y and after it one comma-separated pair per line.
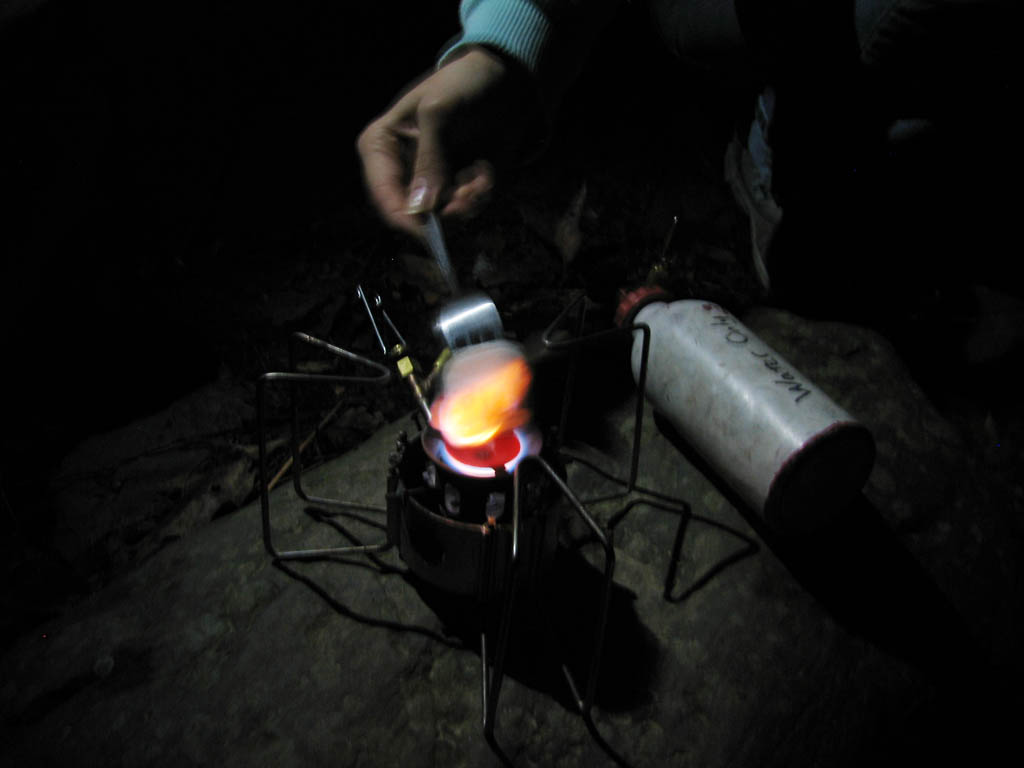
x,y
418,197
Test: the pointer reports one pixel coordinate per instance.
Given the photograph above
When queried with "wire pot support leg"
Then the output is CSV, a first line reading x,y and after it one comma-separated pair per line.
x,y
494,676
292,378
574,345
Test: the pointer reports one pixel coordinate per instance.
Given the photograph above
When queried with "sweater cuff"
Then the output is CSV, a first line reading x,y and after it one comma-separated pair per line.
x,y
516,28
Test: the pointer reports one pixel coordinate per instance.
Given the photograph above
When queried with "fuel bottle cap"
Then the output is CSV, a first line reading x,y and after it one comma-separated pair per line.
x,y
633,300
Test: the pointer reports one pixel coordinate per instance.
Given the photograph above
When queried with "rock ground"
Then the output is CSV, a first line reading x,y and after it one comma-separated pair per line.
x,y
893,635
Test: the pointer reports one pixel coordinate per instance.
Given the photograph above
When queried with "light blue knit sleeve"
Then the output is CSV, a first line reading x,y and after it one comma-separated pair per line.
x,y
549,38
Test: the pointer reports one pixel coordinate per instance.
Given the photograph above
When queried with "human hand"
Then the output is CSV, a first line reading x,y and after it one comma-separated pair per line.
x,y
466,116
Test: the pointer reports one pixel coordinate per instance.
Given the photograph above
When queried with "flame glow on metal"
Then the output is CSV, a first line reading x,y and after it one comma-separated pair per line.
x,y
483,426
484,387
527,444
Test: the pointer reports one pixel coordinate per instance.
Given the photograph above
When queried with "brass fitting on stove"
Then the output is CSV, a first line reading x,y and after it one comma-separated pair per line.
x,y
444,357
407,371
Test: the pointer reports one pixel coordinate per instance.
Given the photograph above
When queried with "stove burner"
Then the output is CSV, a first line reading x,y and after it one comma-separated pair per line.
x,y
455,529
495,458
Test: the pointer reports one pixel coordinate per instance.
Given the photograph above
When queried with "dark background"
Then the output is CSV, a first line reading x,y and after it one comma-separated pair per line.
x,y
156,159
179,190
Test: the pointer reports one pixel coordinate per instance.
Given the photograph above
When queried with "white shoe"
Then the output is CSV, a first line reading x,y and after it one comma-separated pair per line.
x,y
749,179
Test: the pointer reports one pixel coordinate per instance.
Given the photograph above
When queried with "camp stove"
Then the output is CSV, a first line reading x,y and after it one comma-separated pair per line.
x,y
455,530
475,518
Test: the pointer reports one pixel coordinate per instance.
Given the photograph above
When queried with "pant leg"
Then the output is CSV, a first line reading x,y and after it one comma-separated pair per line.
x,y
911,40
844,70
807,49
937,58
805,39
702,30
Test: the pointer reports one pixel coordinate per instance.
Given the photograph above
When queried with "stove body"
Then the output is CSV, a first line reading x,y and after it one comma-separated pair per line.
x,y
455,530
480,522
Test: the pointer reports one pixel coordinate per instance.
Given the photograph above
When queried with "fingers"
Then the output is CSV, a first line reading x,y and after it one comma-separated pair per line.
x,y
473,186
404,159
380,149
383,150
405,151
429,173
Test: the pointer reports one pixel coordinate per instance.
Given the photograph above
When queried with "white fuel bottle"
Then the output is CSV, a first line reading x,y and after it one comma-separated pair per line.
x,y
780,443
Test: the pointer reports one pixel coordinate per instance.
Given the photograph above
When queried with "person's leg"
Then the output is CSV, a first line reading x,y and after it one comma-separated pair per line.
x,y
706,35
902,58
842,70
853,206
938,58
943,74
806,51
698,29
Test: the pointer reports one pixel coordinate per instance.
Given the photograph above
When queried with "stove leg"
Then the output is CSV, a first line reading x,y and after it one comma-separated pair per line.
x,y
293,378
585,702
574,345
494,675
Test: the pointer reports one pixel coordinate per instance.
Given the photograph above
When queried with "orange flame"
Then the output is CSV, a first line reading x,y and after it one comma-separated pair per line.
x,y
484,387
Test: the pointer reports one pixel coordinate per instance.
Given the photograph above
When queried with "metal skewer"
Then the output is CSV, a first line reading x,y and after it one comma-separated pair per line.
x,y
435,242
